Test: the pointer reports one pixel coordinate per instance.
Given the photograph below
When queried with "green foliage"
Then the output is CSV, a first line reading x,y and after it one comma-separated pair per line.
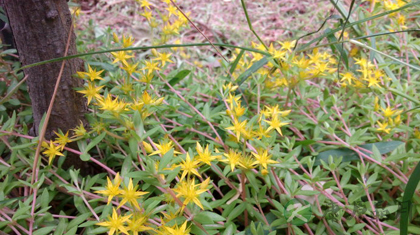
x,y
262,138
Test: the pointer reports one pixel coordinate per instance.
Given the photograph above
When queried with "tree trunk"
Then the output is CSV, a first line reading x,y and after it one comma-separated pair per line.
x,y
41,29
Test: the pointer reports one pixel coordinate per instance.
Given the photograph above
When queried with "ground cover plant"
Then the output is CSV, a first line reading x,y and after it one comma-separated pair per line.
x,y
190,132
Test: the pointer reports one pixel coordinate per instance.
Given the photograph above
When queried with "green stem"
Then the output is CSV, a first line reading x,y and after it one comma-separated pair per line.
x,y
140,48
7,97
250,25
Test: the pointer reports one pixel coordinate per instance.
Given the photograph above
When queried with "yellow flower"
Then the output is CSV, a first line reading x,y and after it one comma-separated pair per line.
x,y
127,41
171,10
246,162
147,15
163,148
98,126
112,189
397,120
275,123
315,57
129,194
258,46
263,159
302,63
130,68
79,130
113,105
274,111
401,21
115,38
188,167
164,57
383,127
348,76
416,133
238,111
287,45
122,56
238,128
52,151
231,98
376,107
62,139
146,99
91,91
233,158
261,132
187,190
138,223
204,154
75,11
151,67
176,230
144,3
115,223
146,78
278,54
388,112
92,74
147,147
373,81
169,29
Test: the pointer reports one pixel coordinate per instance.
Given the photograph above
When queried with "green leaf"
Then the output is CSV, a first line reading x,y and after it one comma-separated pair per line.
x,y
138,174
229,230
23,146
95,141
14,102
413,229
126,166
85,157
133,144
8,51
12,91
81,218
209,217
88,223
138,124
45,199
409,191
397,92
235,63
350,155
10,123
106,66
339,47
4,223
356,227
23,209
150,132
43,231
305,142
178,77
166,159
72,231
257,65
252,179
174,173
61,226
236,211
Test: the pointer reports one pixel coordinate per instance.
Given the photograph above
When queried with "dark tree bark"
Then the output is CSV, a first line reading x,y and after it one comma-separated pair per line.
x,y
41,29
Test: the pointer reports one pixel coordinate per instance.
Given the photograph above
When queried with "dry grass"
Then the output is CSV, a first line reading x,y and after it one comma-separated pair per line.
x,y
220,20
